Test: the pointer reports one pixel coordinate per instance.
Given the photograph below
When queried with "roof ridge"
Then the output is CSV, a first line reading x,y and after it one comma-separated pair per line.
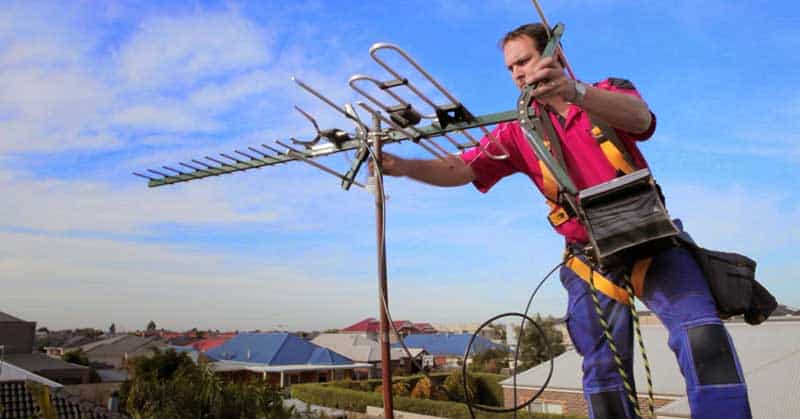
x,y
280,348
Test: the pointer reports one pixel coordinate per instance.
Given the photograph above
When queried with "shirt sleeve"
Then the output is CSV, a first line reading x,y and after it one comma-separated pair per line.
x,y
626,87
487,170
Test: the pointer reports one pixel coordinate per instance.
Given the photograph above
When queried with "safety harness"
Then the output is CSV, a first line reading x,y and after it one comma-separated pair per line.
x,y
621,160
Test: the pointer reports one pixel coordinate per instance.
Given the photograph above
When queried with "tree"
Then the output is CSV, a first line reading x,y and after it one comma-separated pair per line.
x,y
491,360
76,357
151,327
170,385
112,330
532,350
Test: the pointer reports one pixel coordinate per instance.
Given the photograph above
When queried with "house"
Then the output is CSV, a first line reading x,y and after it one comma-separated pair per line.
x,y
16,339
371,327
114,352
360,349
769,355
18,397
280,358
448,349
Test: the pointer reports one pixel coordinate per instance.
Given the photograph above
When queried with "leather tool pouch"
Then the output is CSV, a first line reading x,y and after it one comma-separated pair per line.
x,y
626,219
731,277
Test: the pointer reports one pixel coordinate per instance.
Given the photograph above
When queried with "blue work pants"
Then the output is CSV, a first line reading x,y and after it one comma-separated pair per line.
x,y
676,291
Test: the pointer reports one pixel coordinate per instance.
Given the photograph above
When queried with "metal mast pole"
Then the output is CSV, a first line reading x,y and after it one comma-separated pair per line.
x,y
386,359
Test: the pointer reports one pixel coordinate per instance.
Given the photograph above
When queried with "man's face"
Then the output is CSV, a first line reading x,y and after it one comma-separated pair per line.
x,y
520,55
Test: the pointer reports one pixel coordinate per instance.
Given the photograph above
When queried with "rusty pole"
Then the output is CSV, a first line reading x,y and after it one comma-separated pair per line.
x,y
386,359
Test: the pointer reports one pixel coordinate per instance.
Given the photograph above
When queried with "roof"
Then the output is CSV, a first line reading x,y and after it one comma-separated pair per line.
x,y
112,376
370,324
37,361
448,344
11,372
19,402
275,349
769,355
5,317
203,345
119,345
424,327
356,347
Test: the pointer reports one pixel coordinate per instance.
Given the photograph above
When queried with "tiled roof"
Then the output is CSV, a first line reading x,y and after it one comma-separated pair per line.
x,y
17,401
448,344
121,345
40,362
367,325
356,347
275,349
204,345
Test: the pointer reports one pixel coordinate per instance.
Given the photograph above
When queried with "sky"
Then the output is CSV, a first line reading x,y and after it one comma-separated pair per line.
x,y
93,91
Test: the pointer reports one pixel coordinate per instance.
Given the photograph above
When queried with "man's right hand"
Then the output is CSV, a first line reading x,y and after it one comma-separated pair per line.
x,y
391,165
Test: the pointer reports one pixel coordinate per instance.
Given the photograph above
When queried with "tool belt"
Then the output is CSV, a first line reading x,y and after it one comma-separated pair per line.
x,y
731,278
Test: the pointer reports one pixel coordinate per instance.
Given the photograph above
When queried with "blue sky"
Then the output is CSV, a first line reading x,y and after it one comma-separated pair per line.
x,y
91,91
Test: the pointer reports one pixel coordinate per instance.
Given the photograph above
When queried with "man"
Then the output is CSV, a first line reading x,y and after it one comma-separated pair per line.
x,y
673,286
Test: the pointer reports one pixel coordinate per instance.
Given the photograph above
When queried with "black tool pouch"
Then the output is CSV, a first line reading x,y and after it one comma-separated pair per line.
x,y
626,219
731,277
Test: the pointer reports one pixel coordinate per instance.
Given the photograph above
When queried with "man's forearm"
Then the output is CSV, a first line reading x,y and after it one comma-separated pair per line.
x,y
618,110
450,172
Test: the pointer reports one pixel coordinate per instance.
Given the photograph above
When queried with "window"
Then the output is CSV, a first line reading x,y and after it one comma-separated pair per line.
x,y
546,407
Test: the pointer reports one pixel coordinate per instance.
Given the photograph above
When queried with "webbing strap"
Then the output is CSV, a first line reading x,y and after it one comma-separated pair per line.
x,y
605,285
613,148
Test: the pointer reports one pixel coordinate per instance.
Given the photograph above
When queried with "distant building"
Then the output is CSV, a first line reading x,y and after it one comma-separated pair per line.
x,y
448,349
17,336
360,349
371,327
280,358
116,351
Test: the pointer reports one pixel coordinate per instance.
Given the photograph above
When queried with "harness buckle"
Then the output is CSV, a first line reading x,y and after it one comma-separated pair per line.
x,y
558,216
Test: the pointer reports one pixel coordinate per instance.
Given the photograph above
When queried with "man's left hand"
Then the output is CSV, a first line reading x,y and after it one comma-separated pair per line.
x,y
552,81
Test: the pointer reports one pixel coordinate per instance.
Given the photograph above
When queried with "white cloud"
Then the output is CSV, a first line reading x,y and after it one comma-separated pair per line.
x,y
97,282
170,51
91,206
168,117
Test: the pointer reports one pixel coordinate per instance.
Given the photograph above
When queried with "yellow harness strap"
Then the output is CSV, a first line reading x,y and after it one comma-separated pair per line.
x,y
611,151
605,285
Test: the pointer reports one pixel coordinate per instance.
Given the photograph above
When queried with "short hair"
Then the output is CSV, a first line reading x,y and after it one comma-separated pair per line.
x,y
535,31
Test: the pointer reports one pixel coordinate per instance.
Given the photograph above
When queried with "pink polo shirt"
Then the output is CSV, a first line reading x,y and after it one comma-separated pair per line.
x,y
586,163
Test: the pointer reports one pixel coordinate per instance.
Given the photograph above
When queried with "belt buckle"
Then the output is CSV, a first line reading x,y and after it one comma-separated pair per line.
x,y
558,216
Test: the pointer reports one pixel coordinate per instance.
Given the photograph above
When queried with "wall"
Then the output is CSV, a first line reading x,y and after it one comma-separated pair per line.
x,y
571,401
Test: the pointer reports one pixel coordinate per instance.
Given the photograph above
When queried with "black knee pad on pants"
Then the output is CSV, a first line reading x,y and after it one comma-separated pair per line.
x,y
608,405
714,360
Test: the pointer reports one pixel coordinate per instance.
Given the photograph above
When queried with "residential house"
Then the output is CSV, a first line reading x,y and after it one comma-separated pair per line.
x,y
114,352
280,358
769,355
360,349
16,338
371,327
448,349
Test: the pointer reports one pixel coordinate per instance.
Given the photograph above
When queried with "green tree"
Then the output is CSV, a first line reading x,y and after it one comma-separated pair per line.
x,y
76,357
151,326
490,360
112,330
170,385
533,350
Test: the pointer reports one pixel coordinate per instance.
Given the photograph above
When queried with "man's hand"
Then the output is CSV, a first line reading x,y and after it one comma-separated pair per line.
x,y
552,81
391,165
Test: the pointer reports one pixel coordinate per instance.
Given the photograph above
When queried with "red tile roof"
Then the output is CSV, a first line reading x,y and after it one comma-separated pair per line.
x,y
204,345
367,325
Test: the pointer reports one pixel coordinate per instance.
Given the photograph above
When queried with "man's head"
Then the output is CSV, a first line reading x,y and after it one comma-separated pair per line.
x,y
522,48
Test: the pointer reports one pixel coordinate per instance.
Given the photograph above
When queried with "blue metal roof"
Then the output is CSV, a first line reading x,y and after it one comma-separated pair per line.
x,y
275,349
448,344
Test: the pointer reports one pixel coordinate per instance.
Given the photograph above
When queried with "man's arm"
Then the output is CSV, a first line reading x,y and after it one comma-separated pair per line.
x,y
449,172
619,110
